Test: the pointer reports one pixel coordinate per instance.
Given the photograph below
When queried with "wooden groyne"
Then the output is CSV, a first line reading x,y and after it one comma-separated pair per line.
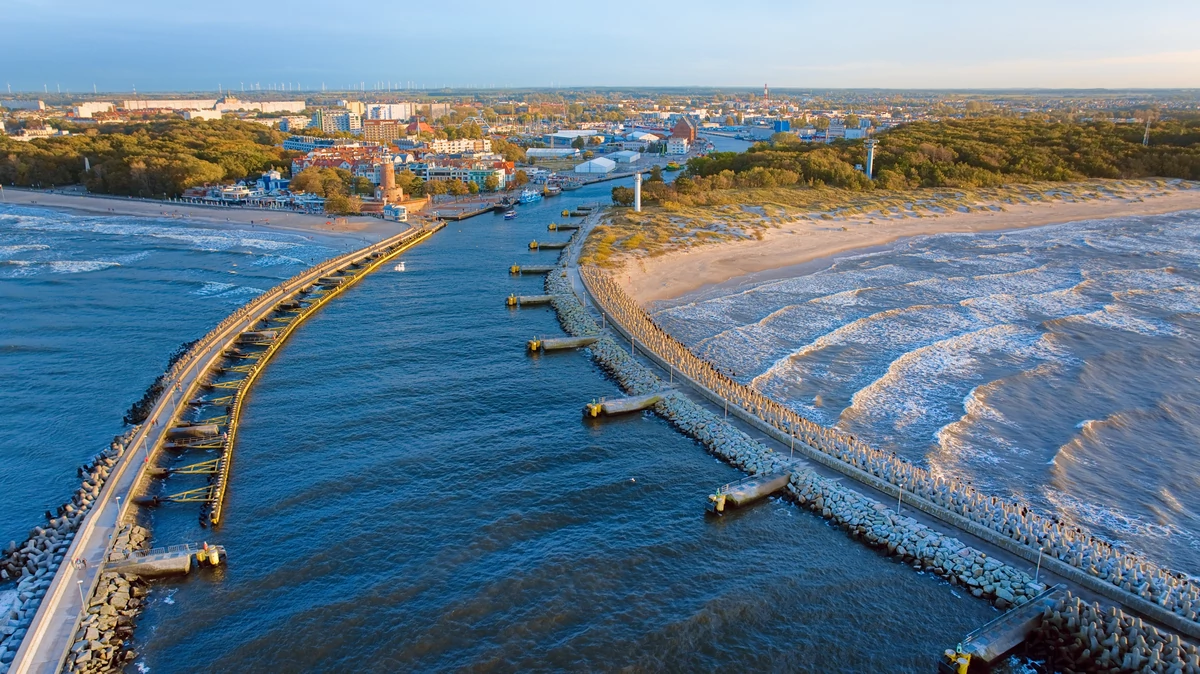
x,y
1134,583
205,376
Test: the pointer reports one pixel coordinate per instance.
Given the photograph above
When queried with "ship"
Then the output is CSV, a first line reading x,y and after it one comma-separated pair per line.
x,y
529,196
510,215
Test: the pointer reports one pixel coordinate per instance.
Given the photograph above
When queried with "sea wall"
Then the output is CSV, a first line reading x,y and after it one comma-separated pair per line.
x,y
1075,636
1156,592
862,517
34,562
107,624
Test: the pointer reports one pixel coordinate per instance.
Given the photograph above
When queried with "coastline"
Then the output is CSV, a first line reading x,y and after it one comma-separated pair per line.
x,y
359,227
678,273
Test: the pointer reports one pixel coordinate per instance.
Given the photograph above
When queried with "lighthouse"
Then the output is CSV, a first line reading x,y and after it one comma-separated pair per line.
x,y
637,192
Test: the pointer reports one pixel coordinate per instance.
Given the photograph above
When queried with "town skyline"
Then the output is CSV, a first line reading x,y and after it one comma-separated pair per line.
x,y
927,45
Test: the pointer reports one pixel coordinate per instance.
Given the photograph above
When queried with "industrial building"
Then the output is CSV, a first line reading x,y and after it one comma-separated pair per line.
x,y
597,165
552,153
625,156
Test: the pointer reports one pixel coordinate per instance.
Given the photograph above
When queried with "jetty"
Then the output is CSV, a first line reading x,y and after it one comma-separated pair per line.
x,y
535,245
747,490
559,343
514,300
562,226
608,408
177,560
985,647
527,269
209,381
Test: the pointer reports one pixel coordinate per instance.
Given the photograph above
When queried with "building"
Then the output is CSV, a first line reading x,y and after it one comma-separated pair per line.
x,y
293,123
169,104
383,130
310,143
552,153
432,110
231,104
565,137
13,104
684,129
333,122
625,156
597,165
86,110
387,192
395,212
782,126
443,146
191,115
677,145
417,128
392,111
27,135
357,107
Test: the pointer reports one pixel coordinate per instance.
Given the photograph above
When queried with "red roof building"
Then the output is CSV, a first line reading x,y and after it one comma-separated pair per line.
x,y
684,129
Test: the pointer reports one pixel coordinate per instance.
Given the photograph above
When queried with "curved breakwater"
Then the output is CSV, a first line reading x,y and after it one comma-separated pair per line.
x,y
1165,596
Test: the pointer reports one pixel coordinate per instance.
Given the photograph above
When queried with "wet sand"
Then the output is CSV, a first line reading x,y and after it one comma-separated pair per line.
x,y
678,273
360,227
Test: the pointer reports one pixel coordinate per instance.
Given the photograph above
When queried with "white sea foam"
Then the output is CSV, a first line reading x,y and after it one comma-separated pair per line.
x,y
276,260
1179,299
21,248
198,237
78,266
1118,317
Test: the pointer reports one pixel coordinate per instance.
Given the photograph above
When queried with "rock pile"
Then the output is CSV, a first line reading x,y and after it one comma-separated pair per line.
x,y
34,562
1079,637
108,622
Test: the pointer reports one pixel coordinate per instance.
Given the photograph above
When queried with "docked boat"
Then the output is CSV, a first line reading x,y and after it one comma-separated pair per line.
x,y
551,191
569,185
529,196
510,215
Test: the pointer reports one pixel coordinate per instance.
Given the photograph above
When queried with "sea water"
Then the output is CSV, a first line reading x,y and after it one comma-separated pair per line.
x,y
411,491
1055,366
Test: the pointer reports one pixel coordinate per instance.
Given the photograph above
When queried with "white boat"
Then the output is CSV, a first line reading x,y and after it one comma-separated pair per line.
x,y
400,267
529,196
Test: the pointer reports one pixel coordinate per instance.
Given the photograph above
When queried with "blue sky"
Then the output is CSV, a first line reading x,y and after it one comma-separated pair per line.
x,y
118,44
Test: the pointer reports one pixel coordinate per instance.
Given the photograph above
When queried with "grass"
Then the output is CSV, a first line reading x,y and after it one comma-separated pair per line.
x,y
743,214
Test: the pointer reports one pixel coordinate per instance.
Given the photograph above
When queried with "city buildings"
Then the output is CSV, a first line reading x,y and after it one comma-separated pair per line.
x,y
332,122
310,143
200,114
383,130
460,146
677,146
684,129
13,104
86,110
293,123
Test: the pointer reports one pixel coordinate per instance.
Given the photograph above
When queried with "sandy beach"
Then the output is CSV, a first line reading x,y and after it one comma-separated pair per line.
x,y
677,273
360,227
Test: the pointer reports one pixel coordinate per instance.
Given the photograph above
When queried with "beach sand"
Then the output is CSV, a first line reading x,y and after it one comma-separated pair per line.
x,y
360,227
649,279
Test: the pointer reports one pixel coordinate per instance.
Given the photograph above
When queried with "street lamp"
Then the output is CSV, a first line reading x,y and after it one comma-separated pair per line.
x,y
79,584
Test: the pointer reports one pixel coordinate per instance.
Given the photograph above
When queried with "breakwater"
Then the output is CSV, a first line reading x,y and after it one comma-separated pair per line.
x,y
38,643
1164,596
862,517
106,625
35,562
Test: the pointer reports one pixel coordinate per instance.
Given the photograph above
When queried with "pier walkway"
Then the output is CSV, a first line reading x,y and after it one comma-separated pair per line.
x,y
54,626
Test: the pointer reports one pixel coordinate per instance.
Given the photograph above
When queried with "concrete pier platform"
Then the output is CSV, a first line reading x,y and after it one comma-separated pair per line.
x,y
559,343
596,409
746,491
519,269
554,245
177,560
531,300
994,641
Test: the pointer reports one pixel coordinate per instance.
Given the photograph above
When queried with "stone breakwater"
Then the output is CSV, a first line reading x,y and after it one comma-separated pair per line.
x,y
107,624
1078,637
1170,597
862,517
34,562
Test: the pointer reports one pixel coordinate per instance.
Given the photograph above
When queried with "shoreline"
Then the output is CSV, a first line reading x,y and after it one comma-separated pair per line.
x,y
359,227
803,242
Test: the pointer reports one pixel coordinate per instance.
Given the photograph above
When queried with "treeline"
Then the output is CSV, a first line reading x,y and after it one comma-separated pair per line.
x,y
978,152
145,160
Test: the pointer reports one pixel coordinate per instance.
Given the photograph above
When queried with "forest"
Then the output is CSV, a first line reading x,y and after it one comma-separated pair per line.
x,y
161,158
960,153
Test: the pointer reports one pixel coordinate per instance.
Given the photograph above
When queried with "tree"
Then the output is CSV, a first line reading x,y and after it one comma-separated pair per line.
x,y
491,183
730,121
579,143
456,188
520,178
473,187
589,154
851,121
435,188
655,175
622,196
363,186
340,204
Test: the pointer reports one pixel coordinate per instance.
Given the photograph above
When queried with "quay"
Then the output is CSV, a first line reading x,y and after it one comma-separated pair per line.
x,y
514,300
988,645
747,490
526,269
535,245
562,226
559,343
177,560
609,408
191,383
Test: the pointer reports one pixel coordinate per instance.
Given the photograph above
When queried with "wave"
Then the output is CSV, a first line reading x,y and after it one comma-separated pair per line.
x,y
198,237
1121,318
22,248
27,268
1184,299
226,290
276,260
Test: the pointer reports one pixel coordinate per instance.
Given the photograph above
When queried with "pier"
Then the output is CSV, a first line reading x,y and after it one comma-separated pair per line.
x,y
177,560
558,343
239,346
515,300
747,490
527,269
609,408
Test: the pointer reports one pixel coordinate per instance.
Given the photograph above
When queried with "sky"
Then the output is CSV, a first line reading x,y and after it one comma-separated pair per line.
x,y
117,45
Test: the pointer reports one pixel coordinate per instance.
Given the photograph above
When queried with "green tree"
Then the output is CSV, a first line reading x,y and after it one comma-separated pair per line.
x,y
851,121
579,143
473,187
622,196
655,175
436,188
520,178
491,183
456,188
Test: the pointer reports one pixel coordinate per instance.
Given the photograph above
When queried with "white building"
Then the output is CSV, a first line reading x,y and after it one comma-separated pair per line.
x,y
395,212
597,165
293,123
625,156
677,146
192,115
331,122
552,153
170,104
22,105
398,111
86,110
443,146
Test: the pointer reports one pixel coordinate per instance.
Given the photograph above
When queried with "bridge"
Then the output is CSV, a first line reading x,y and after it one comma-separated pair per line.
x,y
217,371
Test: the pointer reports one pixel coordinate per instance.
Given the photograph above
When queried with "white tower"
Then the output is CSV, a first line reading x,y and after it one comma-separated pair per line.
x,y
637,192
871,143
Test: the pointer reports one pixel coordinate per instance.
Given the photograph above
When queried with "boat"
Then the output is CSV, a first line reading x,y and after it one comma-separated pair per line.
x,y
400,267
571,185
529,196
510,215
672,166
551,190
